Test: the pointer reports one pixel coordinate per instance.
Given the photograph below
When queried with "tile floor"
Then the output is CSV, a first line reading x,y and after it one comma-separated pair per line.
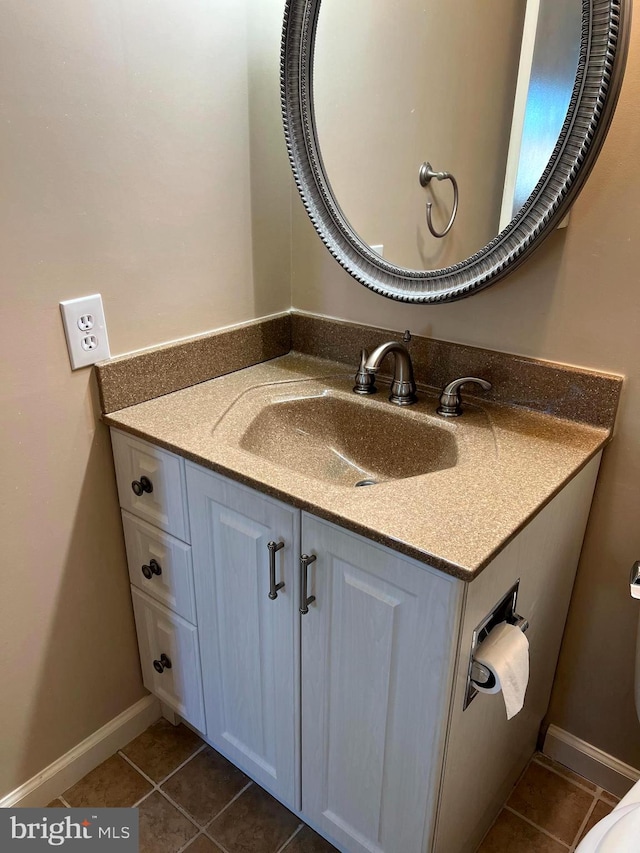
x,y
550,810
192,799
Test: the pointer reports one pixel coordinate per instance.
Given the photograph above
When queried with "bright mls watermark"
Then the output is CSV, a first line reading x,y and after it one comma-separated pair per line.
x,y
26,830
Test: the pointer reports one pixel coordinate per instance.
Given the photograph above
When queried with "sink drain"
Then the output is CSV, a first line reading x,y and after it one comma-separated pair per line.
x,y
366,483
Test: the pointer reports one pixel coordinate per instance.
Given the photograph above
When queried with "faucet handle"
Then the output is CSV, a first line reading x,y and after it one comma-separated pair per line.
x,y
365,379
450,403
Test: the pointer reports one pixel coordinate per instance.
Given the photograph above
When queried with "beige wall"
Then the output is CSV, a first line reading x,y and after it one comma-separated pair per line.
x,y
575,301
393,89
130,133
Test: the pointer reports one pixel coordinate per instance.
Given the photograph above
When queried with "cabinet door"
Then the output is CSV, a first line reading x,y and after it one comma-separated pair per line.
x,y
169,657
378,648
248,641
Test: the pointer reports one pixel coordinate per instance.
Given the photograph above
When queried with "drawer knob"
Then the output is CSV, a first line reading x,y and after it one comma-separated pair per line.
x,y
162,664
154,568
141,486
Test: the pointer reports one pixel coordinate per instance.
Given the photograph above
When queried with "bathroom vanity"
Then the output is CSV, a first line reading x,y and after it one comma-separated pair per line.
x,y
319,635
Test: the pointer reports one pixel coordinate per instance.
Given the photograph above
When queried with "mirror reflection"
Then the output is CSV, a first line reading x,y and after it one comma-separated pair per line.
x,y
476,90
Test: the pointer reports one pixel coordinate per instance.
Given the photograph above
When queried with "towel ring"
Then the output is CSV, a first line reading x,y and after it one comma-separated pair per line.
x,y
426,174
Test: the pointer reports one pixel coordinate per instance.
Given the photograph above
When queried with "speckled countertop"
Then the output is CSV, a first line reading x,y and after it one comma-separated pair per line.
x,y
488,472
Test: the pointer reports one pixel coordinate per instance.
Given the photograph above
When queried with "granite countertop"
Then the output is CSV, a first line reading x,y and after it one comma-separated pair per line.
x,y
511,462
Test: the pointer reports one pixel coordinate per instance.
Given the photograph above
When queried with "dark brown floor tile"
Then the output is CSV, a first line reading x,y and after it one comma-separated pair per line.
x,y
202,844
205,785
551,802
163,829
114,783
600,810
510,834
564,771
162,748
56,804
255,823
609,798
308,841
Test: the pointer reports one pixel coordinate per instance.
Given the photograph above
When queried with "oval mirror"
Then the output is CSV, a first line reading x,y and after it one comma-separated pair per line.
x,y
435,144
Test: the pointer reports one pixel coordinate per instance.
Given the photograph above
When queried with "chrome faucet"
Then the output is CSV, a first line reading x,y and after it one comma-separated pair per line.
x,y
403,386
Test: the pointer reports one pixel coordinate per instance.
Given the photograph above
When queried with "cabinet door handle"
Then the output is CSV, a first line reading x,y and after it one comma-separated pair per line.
x,y
141,486
162,664
305,600
154,568
273,586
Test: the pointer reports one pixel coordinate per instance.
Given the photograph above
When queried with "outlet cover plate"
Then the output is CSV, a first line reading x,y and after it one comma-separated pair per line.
x,y
86,330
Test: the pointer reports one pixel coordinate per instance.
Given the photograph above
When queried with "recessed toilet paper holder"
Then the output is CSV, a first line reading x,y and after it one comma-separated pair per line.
x,y
504,611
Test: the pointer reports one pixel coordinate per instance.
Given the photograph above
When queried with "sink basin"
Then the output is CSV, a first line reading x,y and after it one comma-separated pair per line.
x,y
345,440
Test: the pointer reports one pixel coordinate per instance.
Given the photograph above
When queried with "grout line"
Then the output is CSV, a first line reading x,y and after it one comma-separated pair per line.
x,y
169,775
190,842
609,798
517,782
290,839
202,828
535,826
184,763
584,822
142,799
158,789
156,785
230,803
181,809
141,772
214,841
184,846
566,778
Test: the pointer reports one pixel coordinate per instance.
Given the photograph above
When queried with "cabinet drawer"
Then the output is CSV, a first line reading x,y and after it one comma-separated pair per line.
x,y
160,565
160,498
170,658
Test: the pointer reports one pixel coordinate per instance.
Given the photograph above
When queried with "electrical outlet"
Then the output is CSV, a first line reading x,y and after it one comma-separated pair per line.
x,y
86,322
86,330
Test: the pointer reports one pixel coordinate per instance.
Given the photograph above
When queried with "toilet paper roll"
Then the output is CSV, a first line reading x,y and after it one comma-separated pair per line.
x,y
506,653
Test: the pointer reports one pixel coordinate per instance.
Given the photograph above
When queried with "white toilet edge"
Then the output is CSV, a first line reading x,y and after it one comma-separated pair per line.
x,y
594,841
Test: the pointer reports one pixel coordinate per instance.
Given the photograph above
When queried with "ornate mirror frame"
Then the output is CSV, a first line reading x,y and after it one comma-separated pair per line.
x,y
603,50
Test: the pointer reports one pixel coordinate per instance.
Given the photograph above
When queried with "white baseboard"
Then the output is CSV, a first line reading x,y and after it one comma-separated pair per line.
x,y
600,768
83,758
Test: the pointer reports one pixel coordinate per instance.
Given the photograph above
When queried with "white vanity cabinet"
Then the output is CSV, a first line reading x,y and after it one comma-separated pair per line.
x,y
378,650
366,670
351,712
249,641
